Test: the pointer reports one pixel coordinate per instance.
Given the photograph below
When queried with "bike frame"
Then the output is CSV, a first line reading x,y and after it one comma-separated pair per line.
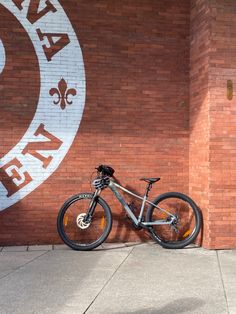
x,y
138,220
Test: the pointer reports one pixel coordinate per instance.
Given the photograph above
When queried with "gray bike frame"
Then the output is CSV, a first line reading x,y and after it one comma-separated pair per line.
x,y
138,221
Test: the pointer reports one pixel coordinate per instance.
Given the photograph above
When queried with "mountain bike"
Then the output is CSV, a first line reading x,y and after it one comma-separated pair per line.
x,y
85,220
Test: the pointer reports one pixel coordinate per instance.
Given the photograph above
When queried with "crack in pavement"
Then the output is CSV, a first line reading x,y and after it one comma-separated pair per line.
x,y
109,280
222,282
19,267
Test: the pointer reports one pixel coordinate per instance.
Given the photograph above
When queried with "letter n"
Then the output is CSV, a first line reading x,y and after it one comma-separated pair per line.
x,y
34,14
32,148
18,3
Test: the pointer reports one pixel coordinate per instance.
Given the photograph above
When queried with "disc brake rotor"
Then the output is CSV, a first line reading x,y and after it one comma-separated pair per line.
x,y
80,221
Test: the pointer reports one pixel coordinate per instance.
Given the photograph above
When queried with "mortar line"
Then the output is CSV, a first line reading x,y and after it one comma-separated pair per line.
x,y
108,281
15,269
222,282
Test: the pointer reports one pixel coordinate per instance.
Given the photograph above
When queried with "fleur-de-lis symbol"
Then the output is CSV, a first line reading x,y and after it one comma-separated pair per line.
x,y
63,93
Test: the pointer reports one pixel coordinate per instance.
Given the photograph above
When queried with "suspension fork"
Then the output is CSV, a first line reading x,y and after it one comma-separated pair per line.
x,y
92,206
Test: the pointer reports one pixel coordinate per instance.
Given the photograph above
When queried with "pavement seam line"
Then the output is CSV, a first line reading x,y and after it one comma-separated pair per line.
x,y
222,281
17,268
109,280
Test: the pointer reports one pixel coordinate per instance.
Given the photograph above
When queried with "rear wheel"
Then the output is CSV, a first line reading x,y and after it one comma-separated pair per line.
x,y
185,223
78,233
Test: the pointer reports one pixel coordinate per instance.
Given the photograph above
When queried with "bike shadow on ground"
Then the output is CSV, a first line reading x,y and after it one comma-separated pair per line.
x,y
182,305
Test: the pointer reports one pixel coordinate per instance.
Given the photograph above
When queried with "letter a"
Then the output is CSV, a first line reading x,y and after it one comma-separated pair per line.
x,y
54,46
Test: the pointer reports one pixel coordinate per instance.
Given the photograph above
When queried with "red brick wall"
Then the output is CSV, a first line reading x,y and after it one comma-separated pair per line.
x,y
212,131
222,146
199,109
156,105
136,56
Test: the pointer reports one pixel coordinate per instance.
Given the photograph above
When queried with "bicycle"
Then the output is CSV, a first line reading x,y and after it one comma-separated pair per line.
x,y
85,220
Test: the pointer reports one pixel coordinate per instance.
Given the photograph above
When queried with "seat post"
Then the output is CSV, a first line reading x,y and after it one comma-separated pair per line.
x,y
148,189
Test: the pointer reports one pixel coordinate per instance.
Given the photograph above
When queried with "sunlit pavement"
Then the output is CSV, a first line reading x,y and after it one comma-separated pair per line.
x,y
117,278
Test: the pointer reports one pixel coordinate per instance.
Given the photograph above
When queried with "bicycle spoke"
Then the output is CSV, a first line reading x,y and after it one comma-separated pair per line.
x,y
81,234
184,220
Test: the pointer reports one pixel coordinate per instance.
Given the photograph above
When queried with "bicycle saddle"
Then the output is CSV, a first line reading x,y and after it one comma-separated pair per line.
x,y
150,180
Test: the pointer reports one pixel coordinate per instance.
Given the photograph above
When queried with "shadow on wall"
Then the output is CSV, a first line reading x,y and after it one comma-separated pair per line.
x,y
125,230
123,227
12,217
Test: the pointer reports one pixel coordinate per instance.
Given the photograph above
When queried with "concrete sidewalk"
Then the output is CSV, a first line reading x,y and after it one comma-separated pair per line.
x,y
117,278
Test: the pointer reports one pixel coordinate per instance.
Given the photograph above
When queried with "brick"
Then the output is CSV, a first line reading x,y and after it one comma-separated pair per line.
x,y
155,106
215,114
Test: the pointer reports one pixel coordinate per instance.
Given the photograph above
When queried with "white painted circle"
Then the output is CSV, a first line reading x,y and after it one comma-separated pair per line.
x,y
2,57
66,65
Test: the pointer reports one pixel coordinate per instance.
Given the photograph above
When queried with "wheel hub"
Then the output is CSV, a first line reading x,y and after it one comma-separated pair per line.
x,y
80,221
174,222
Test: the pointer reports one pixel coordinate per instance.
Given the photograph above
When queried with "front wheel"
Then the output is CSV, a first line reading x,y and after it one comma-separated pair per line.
x,y
75,231
183,215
